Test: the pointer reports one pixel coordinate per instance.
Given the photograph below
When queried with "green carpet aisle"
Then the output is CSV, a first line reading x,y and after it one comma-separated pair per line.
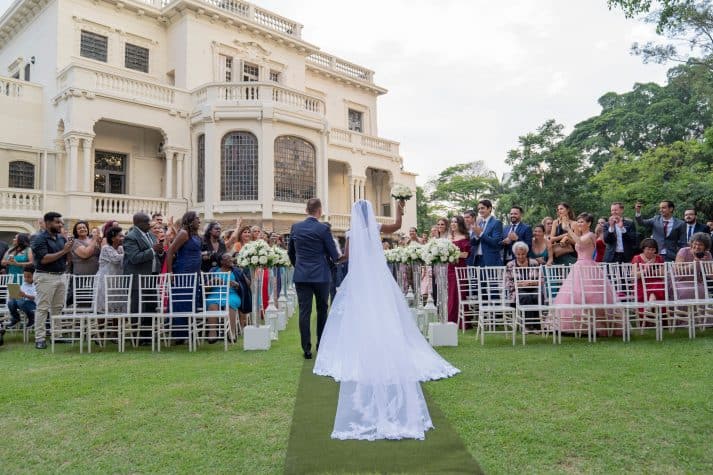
x,y
310,449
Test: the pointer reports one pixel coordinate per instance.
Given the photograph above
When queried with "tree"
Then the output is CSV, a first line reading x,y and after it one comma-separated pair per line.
x,y
425,213
461,186
688,24
546,171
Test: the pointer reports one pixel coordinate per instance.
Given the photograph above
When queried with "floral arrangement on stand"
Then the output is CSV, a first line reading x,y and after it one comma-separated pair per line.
x,y
260,254
439,251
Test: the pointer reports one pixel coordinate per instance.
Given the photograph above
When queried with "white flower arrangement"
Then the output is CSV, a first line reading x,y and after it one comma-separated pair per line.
x,y
394,256
412,253
439,251
401,192
260,254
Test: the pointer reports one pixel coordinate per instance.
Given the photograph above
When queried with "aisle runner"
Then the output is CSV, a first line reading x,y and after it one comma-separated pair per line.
x,y
310,449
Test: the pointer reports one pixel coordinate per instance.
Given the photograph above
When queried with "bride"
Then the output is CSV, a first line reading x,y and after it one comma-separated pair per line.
x,y
372,347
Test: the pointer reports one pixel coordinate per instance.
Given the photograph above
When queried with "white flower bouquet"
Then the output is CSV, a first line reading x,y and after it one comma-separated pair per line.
x,y
401,192
439,251
260,254
394,256
412,253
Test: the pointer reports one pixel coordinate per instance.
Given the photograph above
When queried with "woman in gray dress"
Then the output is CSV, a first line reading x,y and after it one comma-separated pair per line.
x,y
110,263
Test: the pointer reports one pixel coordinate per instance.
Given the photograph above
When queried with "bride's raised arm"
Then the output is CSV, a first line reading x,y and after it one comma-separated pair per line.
x,y
392,228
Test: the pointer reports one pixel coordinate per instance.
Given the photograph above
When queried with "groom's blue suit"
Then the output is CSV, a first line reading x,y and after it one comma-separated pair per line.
x,y
310,249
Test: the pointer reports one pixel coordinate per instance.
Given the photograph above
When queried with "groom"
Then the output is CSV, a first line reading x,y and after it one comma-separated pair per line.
x,y
311,247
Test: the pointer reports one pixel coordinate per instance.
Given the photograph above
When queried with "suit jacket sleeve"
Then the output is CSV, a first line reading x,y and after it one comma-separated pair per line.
x,y
135,255
610,238
329,246
644,222
682,241
629,237
291,247
495,236
527,237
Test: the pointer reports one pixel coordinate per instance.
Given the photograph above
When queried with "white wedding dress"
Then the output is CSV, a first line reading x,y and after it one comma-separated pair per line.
x,y
372,346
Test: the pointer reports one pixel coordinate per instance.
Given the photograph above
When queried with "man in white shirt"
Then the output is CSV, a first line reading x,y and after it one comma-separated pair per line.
x,y
619,235
26,301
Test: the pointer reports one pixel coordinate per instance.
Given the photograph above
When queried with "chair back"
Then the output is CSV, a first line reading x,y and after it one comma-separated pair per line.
x,y
83,293
653,279
117,294
684,280
216,290
707,278
467,283
528,281
153,290
492,290
182,293
594,286
554,276
623,278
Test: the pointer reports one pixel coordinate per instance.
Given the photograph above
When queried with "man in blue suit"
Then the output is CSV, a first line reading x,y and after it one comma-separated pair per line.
x,y
692,225
668,232
486,237
516,231
311,249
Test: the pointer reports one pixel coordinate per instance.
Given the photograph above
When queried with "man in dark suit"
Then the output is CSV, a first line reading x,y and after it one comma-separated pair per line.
x,y
692,226
515,232
487,236
668,232
619,236
310,250
143,255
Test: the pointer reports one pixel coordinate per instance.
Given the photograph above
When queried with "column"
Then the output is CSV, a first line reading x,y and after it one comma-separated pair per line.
x,y
352,194
169,173
72,145
87,149
362,188
266,177
324,168
212,169
179,174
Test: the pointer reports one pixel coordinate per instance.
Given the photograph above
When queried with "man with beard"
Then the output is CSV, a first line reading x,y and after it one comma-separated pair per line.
x,y
692,226
515,232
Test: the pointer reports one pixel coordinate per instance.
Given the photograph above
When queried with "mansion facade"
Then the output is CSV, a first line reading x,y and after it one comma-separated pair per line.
x,y
108,108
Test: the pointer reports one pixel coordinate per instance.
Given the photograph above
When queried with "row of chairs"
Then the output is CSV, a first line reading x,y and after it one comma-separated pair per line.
x,y
603,299
169,309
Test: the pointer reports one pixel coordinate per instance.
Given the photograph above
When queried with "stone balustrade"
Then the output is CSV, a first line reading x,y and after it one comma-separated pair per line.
x,y
123,207
267,94
20,202
133,88
341,66
368,142
340,222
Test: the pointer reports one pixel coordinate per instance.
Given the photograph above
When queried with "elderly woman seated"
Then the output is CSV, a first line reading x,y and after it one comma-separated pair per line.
x,y
698,250
527,281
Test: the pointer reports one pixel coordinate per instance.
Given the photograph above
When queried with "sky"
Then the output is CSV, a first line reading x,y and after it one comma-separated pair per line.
x,y
466,78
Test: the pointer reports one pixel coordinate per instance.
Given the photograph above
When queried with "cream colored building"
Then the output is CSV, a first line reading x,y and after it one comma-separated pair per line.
x,y
112,107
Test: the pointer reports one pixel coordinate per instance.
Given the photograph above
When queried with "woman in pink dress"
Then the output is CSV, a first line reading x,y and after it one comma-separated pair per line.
x,y
577,289
459,236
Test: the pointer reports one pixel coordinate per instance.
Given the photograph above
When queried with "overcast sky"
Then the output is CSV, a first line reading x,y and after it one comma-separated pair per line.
x,y
466,78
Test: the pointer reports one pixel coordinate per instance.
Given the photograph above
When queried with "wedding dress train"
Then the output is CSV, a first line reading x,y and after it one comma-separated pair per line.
x,y
372,346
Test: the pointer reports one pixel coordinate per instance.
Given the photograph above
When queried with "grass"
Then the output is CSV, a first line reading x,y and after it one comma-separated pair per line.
x,y
645,406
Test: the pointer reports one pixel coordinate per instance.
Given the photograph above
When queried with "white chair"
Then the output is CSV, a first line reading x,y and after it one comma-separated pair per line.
x,y
117,305
687,296
704,319
600,306
529,300
495,314
467,285
4,280
623,278
182,305
554,277
215,293
652,280
153,299
70,326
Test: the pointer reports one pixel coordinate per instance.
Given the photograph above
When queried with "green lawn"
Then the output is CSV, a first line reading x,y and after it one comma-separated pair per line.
x,y
607,407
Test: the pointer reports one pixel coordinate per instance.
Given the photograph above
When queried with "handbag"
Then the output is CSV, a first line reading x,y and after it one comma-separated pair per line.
x,y
560,249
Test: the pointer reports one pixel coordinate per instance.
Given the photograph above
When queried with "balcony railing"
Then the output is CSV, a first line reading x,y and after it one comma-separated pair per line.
x,y
369,142
16,89
249,93
20,202
119,206
341,66
340,222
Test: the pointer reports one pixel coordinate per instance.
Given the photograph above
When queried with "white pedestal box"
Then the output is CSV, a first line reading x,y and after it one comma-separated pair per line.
x,y
282,319
443,334
256,338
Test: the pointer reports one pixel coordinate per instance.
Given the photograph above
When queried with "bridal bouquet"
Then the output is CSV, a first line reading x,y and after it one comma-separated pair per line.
x,y
401,192
439,251
260,254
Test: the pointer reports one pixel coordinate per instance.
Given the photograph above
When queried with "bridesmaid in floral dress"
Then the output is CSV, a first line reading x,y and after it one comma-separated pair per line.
x,y
459,236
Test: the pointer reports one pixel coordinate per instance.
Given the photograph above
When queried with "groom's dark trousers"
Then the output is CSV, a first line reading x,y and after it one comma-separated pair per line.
x,y
311,249
305,292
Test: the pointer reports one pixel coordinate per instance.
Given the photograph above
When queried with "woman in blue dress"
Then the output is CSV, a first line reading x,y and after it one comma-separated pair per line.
x,y
184,257
214,300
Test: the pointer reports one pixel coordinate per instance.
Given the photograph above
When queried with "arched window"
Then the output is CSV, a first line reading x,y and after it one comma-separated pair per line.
x,y
21,175
238,167
200,187
295,170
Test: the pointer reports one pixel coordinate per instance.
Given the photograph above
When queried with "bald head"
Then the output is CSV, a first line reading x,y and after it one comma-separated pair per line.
x,y
142,221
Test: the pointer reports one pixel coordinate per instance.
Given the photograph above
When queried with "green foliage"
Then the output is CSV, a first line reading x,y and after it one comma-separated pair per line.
x,y
462,186
425,211
545,171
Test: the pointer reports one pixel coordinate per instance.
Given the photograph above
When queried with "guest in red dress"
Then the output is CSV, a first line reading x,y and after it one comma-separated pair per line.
x,y
600,245
459,237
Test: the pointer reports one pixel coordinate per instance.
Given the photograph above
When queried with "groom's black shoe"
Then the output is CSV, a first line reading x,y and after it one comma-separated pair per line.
x,y
308,355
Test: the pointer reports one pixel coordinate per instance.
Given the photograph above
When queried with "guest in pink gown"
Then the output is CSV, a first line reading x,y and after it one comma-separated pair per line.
x,y
459,236
577,289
